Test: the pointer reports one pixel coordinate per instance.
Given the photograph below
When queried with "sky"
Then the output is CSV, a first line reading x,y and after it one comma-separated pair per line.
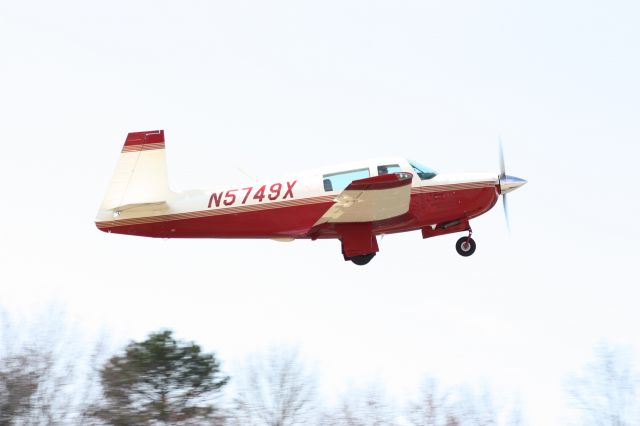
x,y
271,88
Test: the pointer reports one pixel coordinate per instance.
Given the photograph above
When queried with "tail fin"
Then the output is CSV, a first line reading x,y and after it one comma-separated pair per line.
x,y
140,176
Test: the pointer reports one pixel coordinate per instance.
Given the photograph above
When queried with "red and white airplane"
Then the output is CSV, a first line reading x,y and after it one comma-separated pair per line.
x,y
351,202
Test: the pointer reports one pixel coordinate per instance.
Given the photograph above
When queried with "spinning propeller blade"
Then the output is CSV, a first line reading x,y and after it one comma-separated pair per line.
x,y
506,211
503,172
507,184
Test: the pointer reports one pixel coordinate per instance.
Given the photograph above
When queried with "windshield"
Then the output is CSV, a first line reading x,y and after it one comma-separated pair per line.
x,y
423,172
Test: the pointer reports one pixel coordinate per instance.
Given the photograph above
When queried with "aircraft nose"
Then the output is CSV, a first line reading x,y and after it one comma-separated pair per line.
x,y
509,183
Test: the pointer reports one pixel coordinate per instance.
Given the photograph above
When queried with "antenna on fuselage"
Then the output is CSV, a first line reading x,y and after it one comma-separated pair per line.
x,y
251,178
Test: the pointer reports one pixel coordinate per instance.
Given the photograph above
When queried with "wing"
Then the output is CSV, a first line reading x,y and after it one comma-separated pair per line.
x,y
371,199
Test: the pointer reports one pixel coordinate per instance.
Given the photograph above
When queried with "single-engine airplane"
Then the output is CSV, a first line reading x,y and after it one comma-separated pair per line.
x,y
354,202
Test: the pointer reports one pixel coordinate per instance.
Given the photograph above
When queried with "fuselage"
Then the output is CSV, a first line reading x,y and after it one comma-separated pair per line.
x,y
292,207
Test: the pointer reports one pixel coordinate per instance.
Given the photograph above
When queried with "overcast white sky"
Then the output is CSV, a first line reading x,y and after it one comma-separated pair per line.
x,y
280,86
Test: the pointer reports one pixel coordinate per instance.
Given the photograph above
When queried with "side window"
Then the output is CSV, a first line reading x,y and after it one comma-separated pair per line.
x,y
389,168
339,181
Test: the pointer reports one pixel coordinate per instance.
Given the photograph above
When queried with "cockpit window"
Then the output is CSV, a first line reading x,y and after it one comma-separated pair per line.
x,y
389,168
339,181
423,172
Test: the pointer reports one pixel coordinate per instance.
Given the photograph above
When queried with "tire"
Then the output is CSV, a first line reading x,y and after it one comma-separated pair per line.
x,y
465,249
363,259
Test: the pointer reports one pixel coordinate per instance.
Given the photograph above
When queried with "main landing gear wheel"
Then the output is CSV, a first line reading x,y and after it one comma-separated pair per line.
x,y
465,246
363,259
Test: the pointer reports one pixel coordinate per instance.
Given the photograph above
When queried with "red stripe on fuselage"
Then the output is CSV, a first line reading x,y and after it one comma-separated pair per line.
x,y
296,218
215,212
292,221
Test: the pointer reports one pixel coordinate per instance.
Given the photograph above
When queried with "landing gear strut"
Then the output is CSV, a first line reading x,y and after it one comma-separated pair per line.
x,y
466,246
362,259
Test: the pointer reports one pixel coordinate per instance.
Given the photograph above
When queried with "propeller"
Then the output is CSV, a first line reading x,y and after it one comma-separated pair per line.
x,y
503,175
507,184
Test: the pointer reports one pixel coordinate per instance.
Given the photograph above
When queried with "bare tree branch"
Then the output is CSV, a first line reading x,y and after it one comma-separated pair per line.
x,y
275,389
605,391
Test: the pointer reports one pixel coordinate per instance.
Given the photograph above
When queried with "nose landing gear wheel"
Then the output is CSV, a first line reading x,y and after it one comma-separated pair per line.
x,y
362,259
465,246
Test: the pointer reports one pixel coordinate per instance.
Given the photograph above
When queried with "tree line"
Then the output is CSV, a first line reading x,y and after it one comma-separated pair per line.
x,y
165,381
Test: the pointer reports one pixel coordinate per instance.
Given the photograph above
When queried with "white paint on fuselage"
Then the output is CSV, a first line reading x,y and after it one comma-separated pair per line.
x,y
308,184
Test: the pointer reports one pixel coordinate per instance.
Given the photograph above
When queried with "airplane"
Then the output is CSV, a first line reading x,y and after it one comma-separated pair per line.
x,y
354,203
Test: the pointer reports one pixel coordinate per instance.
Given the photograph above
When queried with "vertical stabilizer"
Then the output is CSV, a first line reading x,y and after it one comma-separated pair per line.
x,y
141,173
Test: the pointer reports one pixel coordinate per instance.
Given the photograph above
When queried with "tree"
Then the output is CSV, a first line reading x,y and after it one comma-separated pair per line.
x,y
474,409
41,371
275,390
456,407
432,408
368,408
159,380
19,382
605,392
